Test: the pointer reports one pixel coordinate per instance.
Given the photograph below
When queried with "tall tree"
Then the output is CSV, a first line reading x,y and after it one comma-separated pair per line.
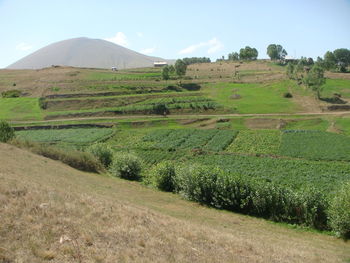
x,y
315,79
275,52
342,57
248,53
233,56
329,60
165,73
180,67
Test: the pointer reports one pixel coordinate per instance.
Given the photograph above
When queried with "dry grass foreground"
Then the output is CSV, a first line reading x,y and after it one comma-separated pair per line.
x,y
49,211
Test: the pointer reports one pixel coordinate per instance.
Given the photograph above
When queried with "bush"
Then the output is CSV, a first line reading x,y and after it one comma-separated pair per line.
x,y
214,187
126,166
79,160
43,103
161,109
163,176
339,212
102,152
6,132
11,93
287,95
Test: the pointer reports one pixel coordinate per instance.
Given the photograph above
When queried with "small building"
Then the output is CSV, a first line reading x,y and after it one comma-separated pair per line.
x,y
160,63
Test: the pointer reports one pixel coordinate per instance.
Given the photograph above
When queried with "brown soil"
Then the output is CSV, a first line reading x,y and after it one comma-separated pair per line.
x,y
264,123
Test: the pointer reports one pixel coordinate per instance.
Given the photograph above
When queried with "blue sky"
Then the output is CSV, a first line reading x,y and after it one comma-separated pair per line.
x,y
175,29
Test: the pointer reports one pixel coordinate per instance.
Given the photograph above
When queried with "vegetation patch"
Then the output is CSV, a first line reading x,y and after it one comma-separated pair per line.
x,y
74,136
209,140
20,109
261,142
315,145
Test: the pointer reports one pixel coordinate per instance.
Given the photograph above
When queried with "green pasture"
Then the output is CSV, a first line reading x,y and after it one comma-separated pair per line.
x,y
254,98
20,109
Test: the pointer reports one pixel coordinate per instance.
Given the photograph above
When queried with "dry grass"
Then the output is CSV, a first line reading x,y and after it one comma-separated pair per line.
x,y
51,212
254,71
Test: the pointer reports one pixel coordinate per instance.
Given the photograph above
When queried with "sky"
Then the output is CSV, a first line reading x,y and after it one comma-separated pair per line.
x,y
177,29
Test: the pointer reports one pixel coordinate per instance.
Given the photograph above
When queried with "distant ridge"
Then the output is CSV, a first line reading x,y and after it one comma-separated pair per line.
x,y
87,53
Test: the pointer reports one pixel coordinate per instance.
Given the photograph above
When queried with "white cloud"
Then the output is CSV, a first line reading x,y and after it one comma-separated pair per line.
x,y
23,47
119,39
139,34
213,45
148,51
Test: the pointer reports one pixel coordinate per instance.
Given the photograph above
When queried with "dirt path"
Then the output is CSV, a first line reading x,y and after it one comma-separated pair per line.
x,y
189,116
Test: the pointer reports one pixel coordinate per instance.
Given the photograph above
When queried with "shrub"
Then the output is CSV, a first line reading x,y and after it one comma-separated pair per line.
x,y
79,160
163,176
43,103
6,132
126,166
102,152
161,109
214,187
11,93
339,212
287,95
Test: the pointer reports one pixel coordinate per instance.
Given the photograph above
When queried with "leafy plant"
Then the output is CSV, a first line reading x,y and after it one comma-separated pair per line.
x,y
126,166
103,152
163,176
6,131
339,211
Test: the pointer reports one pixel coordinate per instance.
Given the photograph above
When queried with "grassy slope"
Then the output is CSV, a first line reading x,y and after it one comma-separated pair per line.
x,y
20,109
111,220
255,98
332,86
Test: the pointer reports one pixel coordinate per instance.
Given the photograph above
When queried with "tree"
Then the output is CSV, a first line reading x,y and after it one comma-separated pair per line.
x,y
234,56
171,69
329,60
6,132
275,52
315,79
180,67
248,53
290,70
342,58
165,73
195,60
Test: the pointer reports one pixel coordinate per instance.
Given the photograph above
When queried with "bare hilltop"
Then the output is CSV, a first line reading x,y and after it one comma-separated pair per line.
x,y
86,53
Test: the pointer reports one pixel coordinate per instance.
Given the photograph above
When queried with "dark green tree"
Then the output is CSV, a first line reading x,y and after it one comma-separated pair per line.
x,y
234,56
275,52
315,79
248,53
342,58
6,131
180,67
329,61
165,73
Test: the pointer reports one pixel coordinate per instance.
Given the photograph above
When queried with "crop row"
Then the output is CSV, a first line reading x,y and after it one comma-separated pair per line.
x,y
175,100
210,140
257,142
294,173
76,135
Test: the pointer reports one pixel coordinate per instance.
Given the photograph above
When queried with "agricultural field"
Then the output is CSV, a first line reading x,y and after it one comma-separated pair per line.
x,y
75,136
259,142
315,145
240,127
209,140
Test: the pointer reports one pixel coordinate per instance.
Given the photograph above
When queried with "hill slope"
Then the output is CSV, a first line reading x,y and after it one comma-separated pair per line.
x,y
86,53
50,211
